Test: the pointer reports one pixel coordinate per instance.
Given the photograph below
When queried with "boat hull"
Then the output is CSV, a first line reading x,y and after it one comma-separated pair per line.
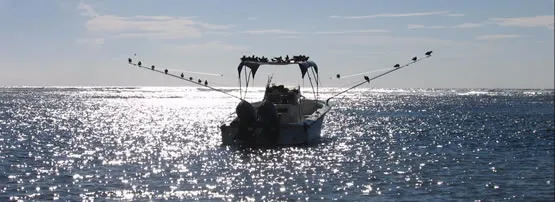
x,y
307,132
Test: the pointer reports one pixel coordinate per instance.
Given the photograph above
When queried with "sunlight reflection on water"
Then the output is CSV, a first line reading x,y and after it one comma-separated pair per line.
x,y
164,143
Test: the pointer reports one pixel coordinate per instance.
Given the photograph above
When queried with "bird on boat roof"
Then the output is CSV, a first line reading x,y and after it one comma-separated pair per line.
x,y
152,67
199,81
205,82
139,63
182,75
279,59
338,76
129,59
191,78
264,59
396,65
414,58
429,53
166,71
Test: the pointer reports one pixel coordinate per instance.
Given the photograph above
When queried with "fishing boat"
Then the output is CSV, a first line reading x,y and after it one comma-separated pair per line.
x,y
284,116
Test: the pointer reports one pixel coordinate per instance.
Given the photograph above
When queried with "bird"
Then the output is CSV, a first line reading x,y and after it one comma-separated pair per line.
x,y
152,67
182,75
396,65
199,81
429,53
139,63
166,71
338,76
366,78
129,59
205,82
190,78
414,59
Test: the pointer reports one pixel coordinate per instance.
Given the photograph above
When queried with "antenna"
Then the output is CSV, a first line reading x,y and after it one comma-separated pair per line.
x,y
368,79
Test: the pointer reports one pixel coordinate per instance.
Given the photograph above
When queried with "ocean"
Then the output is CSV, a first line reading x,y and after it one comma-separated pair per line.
x,y
163,143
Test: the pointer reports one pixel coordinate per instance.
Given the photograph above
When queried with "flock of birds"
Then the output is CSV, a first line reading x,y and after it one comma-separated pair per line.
x,y
277,60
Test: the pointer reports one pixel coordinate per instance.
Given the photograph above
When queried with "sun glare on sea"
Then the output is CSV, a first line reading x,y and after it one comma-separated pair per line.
x,y
164,143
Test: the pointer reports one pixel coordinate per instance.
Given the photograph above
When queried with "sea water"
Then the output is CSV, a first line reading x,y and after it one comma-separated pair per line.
x,y
113,143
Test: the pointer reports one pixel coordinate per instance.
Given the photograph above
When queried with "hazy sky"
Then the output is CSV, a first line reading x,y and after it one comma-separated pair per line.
x,y
477,43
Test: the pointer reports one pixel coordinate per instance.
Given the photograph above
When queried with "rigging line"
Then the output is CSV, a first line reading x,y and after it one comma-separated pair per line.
x,y
179,77
368,72
316,77
223,85
248,79
193,72
319,81
240,88
349,84
218,84
415,60
310,79
352,83
246,84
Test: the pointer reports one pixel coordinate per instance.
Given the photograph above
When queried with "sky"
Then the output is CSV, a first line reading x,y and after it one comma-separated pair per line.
x,y
475,43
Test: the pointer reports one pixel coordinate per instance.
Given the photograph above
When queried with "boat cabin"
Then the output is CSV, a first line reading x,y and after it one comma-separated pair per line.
x,y
290,105
286,102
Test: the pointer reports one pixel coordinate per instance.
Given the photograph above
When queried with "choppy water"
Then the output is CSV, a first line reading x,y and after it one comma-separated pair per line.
x,y
380,144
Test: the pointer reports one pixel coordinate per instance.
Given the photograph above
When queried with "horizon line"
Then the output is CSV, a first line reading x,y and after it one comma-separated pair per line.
x,y
307,88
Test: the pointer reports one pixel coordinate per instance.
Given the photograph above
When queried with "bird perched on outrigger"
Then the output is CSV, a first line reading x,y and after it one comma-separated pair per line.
x,y
284,116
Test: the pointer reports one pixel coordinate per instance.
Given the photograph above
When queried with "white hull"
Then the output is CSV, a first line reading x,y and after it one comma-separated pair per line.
x,y
289,133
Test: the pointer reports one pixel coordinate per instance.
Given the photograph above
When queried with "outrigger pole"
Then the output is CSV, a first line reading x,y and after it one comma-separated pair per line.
x,y
152,68
396,67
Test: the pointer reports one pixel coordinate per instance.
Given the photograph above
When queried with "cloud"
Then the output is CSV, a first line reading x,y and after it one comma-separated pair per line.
x,y
270,31
211,46
535,21
86,10
354,31
394,42
98,41
463,25
497,36
416,26
455,15
356,54
90,42
391,15
152,27
219,33
160,17
288,37
294,34
469,25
